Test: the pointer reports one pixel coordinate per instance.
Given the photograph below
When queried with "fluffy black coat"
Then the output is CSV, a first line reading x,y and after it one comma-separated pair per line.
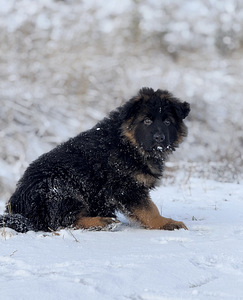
x,y
93,173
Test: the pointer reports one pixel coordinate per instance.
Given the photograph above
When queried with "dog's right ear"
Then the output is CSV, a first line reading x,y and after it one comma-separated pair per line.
x,y
131,108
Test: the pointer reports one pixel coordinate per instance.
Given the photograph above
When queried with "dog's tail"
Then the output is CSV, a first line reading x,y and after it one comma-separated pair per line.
x,y
17,222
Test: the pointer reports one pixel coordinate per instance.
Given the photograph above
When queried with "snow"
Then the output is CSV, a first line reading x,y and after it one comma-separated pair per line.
x,y
205,262
64,66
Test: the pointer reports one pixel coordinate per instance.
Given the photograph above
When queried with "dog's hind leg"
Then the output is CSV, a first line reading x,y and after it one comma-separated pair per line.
x,y
96,223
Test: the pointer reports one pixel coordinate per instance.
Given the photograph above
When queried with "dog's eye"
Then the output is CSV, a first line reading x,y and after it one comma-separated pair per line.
x,y
167,122
147,121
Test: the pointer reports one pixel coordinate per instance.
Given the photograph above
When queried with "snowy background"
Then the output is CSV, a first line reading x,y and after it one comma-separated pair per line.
x,y
66,64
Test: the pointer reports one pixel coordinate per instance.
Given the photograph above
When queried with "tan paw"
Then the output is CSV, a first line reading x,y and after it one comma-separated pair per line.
x,y
172,225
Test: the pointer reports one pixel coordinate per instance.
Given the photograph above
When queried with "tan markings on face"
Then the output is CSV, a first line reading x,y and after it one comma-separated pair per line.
x,y
128,130
150,218
129,134
182,134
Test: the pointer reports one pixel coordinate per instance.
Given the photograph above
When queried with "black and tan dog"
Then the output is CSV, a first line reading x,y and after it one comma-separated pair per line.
x,y
111,167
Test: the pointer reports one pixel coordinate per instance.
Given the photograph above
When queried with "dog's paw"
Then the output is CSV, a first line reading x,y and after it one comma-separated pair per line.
x,y
106,224
113,225
172,225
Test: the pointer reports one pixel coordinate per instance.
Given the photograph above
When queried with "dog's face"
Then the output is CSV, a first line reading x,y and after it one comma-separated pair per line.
x,y
156,121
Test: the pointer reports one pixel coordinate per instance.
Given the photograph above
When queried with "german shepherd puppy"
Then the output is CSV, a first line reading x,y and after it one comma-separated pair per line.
x,y
83,182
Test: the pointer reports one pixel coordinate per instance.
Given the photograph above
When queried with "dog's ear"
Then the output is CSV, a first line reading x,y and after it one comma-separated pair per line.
x,y
182,109
130,109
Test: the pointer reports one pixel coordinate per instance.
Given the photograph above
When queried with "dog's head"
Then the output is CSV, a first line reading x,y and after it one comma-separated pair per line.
x,y
154,121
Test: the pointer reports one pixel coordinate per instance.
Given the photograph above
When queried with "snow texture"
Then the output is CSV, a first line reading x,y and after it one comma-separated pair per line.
x,y
63,66
205,262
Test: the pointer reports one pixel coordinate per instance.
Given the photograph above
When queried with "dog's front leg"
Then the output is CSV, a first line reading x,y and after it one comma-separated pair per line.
x,y
148,215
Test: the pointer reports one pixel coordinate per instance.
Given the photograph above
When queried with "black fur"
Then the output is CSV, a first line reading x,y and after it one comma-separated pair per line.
x,y
93,174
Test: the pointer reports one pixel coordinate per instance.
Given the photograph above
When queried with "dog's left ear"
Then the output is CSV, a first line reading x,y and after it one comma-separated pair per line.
x,y
182,109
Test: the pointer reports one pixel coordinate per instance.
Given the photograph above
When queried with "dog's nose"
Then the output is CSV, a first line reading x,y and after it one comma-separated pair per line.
x,y
159,137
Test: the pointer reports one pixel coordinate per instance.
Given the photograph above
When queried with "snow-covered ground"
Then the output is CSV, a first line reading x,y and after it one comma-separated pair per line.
x,y
205,262
63,66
